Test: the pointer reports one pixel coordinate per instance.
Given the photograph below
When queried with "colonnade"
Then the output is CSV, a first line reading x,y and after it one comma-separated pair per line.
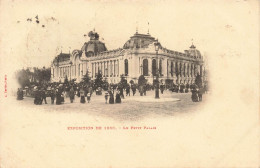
x,y
109,68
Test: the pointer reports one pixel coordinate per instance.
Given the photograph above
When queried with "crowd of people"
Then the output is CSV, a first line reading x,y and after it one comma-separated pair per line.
x,y
114,93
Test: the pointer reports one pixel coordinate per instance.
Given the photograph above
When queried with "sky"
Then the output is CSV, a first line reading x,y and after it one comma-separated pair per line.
x,y
216,27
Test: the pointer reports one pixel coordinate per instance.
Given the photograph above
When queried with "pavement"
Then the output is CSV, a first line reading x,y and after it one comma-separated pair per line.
x,y
132,107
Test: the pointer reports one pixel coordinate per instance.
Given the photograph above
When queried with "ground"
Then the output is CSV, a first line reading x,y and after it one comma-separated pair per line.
x,y
131,108
182,133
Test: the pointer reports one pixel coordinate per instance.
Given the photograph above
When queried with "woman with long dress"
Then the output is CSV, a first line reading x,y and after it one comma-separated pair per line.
x,y
82,96
111,98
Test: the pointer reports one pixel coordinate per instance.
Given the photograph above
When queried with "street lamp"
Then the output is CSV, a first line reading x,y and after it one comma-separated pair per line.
x,y
157,45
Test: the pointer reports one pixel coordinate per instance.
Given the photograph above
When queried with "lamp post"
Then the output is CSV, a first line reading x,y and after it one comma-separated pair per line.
x,y
156,45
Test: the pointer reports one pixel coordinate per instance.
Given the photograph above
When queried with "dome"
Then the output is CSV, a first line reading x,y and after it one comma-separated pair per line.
x,y
139,41
93,46
194,52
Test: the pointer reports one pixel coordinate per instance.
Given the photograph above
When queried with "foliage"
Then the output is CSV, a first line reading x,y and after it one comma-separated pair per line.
x,y
198,81
123,81
66,81
98,80
142,80
27,77
86,79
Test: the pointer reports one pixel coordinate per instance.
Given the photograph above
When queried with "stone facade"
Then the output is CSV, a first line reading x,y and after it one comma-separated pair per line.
x,y
137,57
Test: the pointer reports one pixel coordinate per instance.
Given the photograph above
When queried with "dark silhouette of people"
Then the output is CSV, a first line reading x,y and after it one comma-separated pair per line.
x,y
88,97
133,89
162,89
43,96
118,98
106,96
111,98
127,90
82,96
19,94
71,94
200,92
52,94
37,97
58,97
194,95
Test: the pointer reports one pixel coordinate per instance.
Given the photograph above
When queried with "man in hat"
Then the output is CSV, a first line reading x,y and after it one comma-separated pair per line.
x,y
43,95
88,97
111,98
106,96
118,98
52,94
71,94
82,96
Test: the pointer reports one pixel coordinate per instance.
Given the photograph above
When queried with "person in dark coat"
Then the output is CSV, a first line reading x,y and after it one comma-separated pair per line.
x,y
78,92
63,96
133,89
19,94
52,94
200,92
71,95
144,89
194,95
121,89
127,90
118,98
82,96
37,97
162,89
88,97
106,96
58,97
111,98
43,96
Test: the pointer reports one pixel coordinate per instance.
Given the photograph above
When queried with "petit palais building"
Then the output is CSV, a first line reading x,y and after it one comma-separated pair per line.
x,y
136,57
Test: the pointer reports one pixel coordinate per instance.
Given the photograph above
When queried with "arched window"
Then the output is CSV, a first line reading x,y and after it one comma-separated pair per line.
x,y
176,69
171,69
145,67
154,67
126,67
180,69
188,70
184,70
160,67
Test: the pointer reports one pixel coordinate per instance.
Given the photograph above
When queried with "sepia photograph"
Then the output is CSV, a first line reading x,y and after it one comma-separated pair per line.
x,y
129,83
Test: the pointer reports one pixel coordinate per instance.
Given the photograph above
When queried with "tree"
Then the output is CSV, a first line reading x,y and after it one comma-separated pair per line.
x,y
86,79
198,81
98,80
66,81
142,80
123,81
23,77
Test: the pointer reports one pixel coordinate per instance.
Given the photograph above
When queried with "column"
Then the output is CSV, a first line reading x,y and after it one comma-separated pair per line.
x,y
164,67
114,68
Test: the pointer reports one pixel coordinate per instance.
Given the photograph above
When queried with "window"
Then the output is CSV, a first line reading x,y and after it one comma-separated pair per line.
x,y
171,69
154,67
145,67
160,67
126,67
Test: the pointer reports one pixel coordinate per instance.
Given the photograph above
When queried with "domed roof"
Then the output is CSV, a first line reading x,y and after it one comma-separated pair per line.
x,y
93,46
139,41
194,52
